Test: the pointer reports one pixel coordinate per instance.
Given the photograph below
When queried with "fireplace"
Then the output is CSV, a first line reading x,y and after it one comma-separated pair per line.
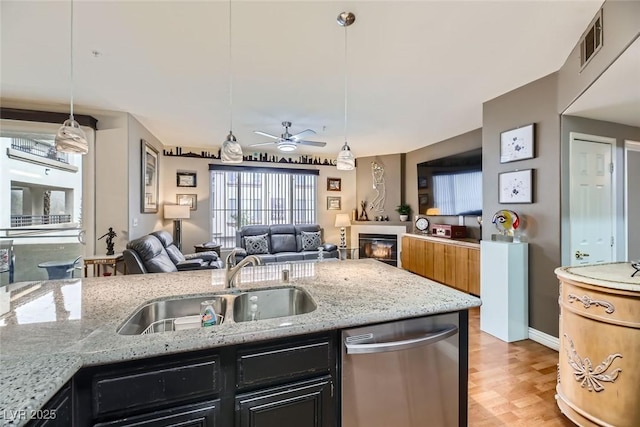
x,y
383,247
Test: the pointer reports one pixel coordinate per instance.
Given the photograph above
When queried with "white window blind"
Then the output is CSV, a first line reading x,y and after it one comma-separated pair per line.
x,y
457,193
260,196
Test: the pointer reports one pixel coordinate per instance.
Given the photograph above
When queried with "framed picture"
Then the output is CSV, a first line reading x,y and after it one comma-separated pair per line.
x,y
334,184
334,203
148,178
422,182
190,200
517,144
186,179
516,186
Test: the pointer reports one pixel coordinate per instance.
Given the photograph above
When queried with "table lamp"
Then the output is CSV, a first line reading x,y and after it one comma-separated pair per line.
x,y
177,213
433,211
342,221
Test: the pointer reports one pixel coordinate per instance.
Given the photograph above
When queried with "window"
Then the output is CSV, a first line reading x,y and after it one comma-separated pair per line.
x,y
243,196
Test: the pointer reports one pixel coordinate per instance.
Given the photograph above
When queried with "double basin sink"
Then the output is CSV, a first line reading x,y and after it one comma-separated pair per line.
x,y
252,305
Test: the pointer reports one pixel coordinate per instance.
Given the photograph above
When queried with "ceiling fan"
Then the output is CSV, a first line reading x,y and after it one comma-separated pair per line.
x,y
288,142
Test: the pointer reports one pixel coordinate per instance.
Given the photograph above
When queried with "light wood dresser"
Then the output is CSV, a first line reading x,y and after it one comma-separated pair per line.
x,y
599,357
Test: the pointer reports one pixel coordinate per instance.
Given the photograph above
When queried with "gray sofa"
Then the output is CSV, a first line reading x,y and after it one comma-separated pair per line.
x,y
283,242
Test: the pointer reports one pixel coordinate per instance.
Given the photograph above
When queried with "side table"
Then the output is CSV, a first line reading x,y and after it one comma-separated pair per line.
x,y
103,260
347,253
203,248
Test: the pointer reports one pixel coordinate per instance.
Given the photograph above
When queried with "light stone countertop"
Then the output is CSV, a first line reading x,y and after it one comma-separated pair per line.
x,y
54,328
467,242
615,275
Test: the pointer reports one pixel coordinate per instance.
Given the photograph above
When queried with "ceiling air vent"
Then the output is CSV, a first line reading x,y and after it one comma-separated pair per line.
x,y
591,40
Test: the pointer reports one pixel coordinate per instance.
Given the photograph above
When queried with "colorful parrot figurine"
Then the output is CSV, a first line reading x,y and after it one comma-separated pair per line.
x,y
506,221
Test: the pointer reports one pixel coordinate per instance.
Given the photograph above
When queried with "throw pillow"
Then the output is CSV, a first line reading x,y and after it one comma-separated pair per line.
x,y
256,245
310,240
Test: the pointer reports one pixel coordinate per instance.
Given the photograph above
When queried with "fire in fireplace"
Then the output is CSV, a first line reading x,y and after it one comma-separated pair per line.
x,y
383,247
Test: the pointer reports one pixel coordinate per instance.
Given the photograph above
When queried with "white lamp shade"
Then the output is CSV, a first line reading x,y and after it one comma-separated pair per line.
x,y
342,220
71,138
231,151
345,161
176,212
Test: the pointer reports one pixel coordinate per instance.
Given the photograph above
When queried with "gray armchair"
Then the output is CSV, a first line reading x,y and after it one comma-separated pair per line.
x,y
156,253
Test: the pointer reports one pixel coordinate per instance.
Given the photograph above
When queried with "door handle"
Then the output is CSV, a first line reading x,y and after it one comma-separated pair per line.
x,y
430,338
579,254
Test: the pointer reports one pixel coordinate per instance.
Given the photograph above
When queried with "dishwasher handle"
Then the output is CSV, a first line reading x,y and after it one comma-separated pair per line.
x,y
430,338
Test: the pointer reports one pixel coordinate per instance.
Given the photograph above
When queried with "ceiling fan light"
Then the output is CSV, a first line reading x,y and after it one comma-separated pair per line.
x,y
70,138
345,161
287,146
231,151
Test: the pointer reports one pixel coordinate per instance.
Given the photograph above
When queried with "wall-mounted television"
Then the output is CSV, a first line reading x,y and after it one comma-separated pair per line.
x,y
451,185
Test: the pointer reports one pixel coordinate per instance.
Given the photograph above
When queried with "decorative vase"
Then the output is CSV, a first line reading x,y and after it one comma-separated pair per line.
x,y
404,217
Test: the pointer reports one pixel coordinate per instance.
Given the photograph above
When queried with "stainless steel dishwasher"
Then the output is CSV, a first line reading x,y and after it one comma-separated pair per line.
x,y
402,374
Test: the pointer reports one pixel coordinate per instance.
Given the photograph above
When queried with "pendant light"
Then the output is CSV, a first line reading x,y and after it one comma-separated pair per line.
x,y
345,161
70,137
231,151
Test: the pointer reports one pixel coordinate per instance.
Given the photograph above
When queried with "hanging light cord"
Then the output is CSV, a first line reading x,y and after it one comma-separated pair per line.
x,y
230,76
71,61
345,84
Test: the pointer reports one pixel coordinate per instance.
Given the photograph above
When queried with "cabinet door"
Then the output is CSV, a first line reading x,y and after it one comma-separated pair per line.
x,y
461,269
196,415
438,262
474,271
57,412
427,256
407,254
303,404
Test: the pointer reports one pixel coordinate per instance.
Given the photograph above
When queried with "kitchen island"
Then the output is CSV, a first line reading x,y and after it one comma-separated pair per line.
x,y
598,375
56,328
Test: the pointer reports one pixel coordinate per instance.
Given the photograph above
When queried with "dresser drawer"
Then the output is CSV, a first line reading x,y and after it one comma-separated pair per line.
x,y
270,364
620,308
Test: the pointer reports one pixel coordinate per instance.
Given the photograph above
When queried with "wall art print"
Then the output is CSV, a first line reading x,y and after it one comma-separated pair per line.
x,y
517,144
516,186
149,178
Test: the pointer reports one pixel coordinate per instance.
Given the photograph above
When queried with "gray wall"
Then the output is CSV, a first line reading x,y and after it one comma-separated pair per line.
x,y
597,128
633,168
621,26
532,103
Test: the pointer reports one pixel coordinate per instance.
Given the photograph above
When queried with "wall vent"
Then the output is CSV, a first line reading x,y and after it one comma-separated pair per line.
x,y
591,40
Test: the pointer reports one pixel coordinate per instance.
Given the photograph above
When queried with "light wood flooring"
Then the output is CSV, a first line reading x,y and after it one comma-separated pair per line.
x,y
511,384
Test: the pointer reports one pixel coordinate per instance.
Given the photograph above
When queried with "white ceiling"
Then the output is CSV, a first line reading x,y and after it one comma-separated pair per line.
x,y
418,71
615,95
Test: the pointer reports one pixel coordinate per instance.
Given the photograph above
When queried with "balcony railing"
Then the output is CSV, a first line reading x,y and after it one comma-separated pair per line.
x,y
39,149
28,220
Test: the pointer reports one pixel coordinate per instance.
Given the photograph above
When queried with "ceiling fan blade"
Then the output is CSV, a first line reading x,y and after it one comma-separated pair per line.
x,y
302,134
262,143
268,135
313,143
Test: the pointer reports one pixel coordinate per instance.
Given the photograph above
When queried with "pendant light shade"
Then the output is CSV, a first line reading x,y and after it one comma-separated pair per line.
x,y
231,151
70,138
345,161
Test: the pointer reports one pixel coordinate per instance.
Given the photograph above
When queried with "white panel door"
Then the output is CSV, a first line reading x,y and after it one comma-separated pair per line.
x,y
591,208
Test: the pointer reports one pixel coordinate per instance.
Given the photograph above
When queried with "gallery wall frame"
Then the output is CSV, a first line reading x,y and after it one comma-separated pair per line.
x,y
515,186
190,200
186,179
334,203
149,170
517,144
334,184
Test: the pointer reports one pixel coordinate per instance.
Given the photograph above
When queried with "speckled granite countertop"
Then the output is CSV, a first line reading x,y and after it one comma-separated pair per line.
x,y
55,327
615,275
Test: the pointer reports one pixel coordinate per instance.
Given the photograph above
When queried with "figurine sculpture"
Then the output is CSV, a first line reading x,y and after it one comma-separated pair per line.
x,y
363,214
109,235
377,173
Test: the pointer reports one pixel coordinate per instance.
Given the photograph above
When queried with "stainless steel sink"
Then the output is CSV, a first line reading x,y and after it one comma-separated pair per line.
x,y
270,303
232,307
158,316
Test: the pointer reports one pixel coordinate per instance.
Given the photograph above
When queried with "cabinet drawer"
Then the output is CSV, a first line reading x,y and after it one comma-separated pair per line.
x,y
198,415
282,363
151,385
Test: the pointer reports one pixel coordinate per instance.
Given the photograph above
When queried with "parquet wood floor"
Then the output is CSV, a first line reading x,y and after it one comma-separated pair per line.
x,y
511,384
